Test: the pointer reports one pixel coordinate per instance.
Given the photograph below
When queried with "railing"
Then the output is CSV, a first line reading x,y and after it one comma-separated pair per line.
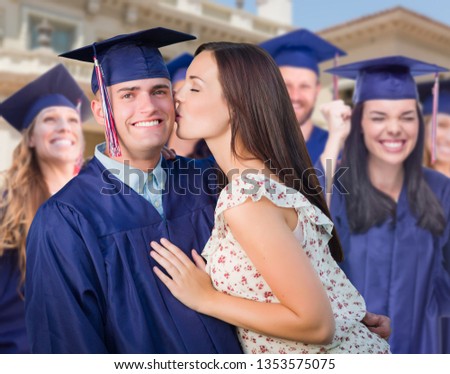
x,y
226,15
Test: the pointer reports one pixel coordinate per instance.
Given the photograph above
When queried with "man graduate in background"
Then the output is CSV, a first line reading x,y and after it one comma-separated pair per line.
x,y
298,55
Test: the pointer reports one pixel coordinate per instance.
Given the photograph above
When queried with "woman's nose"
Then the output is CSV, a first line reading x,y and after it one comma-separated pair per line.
x,y
394,127
63,124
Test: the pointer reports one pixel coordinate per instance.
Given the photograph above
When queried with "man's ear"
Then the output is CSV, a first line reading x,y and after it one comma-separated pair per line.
x,y
97,110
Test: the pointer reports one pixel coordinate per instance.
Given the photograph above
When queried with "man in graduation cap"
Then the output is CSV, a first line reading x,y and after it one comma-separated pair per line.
x,y
298,55
90,286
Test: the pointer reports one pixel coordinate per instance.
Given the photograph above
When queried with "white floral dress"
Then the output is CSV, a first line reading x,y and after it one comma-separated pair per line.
x,y
233,273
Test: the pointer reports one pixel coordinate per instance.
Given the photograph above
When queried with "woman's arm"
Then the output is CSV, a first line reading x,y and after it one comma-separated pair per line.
x,y
304,312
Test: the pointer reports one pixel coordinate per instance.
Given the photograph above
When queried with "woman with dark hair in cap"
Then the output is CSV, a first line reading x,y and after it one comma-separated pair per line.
x,y
47,113
392,214
441,161
272,255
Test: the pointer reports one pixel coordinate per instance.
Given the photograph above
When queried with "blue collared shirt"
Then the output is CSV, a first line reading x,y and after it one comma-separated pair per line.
x,y
148,185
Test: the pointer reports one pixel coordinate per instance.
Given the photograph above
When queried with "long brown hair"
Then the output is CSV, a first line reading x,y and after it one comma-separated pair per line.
x,y
23,190
263,119
366,205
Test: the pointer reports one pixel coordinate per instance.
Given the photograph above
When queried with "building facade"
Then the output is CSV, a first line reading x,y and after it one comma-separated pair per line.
x,y
32,33
396,31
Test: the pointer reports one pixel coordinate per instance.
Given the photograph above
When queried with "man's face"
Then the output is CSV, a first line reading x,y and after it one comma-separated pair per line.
x,y
303,88
144,114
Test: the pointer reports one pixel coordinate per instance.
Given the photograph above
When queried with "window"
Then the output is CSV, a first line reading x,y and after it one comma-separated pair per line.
x,y
57,30
61,36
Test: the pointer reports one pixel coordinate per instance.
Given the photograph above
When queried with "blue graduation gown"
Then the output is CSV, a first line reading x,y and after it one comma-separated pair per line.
x,y
316,143
90,286
398,268
13,336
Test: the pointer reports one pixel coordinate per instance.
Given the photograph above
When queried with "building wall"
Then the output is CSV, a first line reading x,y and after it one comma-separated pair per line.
x,y
80,22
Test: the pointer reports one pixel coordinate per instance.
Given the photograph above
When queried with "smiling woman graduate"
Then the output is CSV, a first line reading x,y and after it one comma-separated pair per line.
x,y
48,112
391,213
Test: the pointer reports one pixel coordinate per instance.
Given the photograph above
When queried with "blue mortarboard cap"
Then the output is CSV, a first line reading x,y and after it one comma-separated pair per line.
x,y
124,58
178,66
129,57
56,87
301,48
388,78
443,103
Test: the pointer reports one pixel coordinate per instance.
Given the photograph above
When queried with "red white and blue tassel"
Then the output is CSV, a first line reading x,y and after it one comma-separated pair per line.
x,y
110,127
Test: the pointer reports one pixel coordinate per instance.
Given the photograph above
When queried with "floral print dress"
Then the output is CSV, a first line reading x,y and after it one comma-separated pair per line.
x,y
233,273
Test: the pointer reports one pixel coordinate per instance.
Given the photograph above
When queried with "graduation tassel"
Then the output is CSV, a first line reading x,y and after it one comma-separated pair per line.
x,y
434,117
110,127
78,107
335,79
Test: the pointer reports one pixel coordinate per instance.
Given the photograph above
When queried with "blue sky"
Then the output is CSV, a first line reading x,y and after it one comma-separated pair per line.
x,y
311,15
